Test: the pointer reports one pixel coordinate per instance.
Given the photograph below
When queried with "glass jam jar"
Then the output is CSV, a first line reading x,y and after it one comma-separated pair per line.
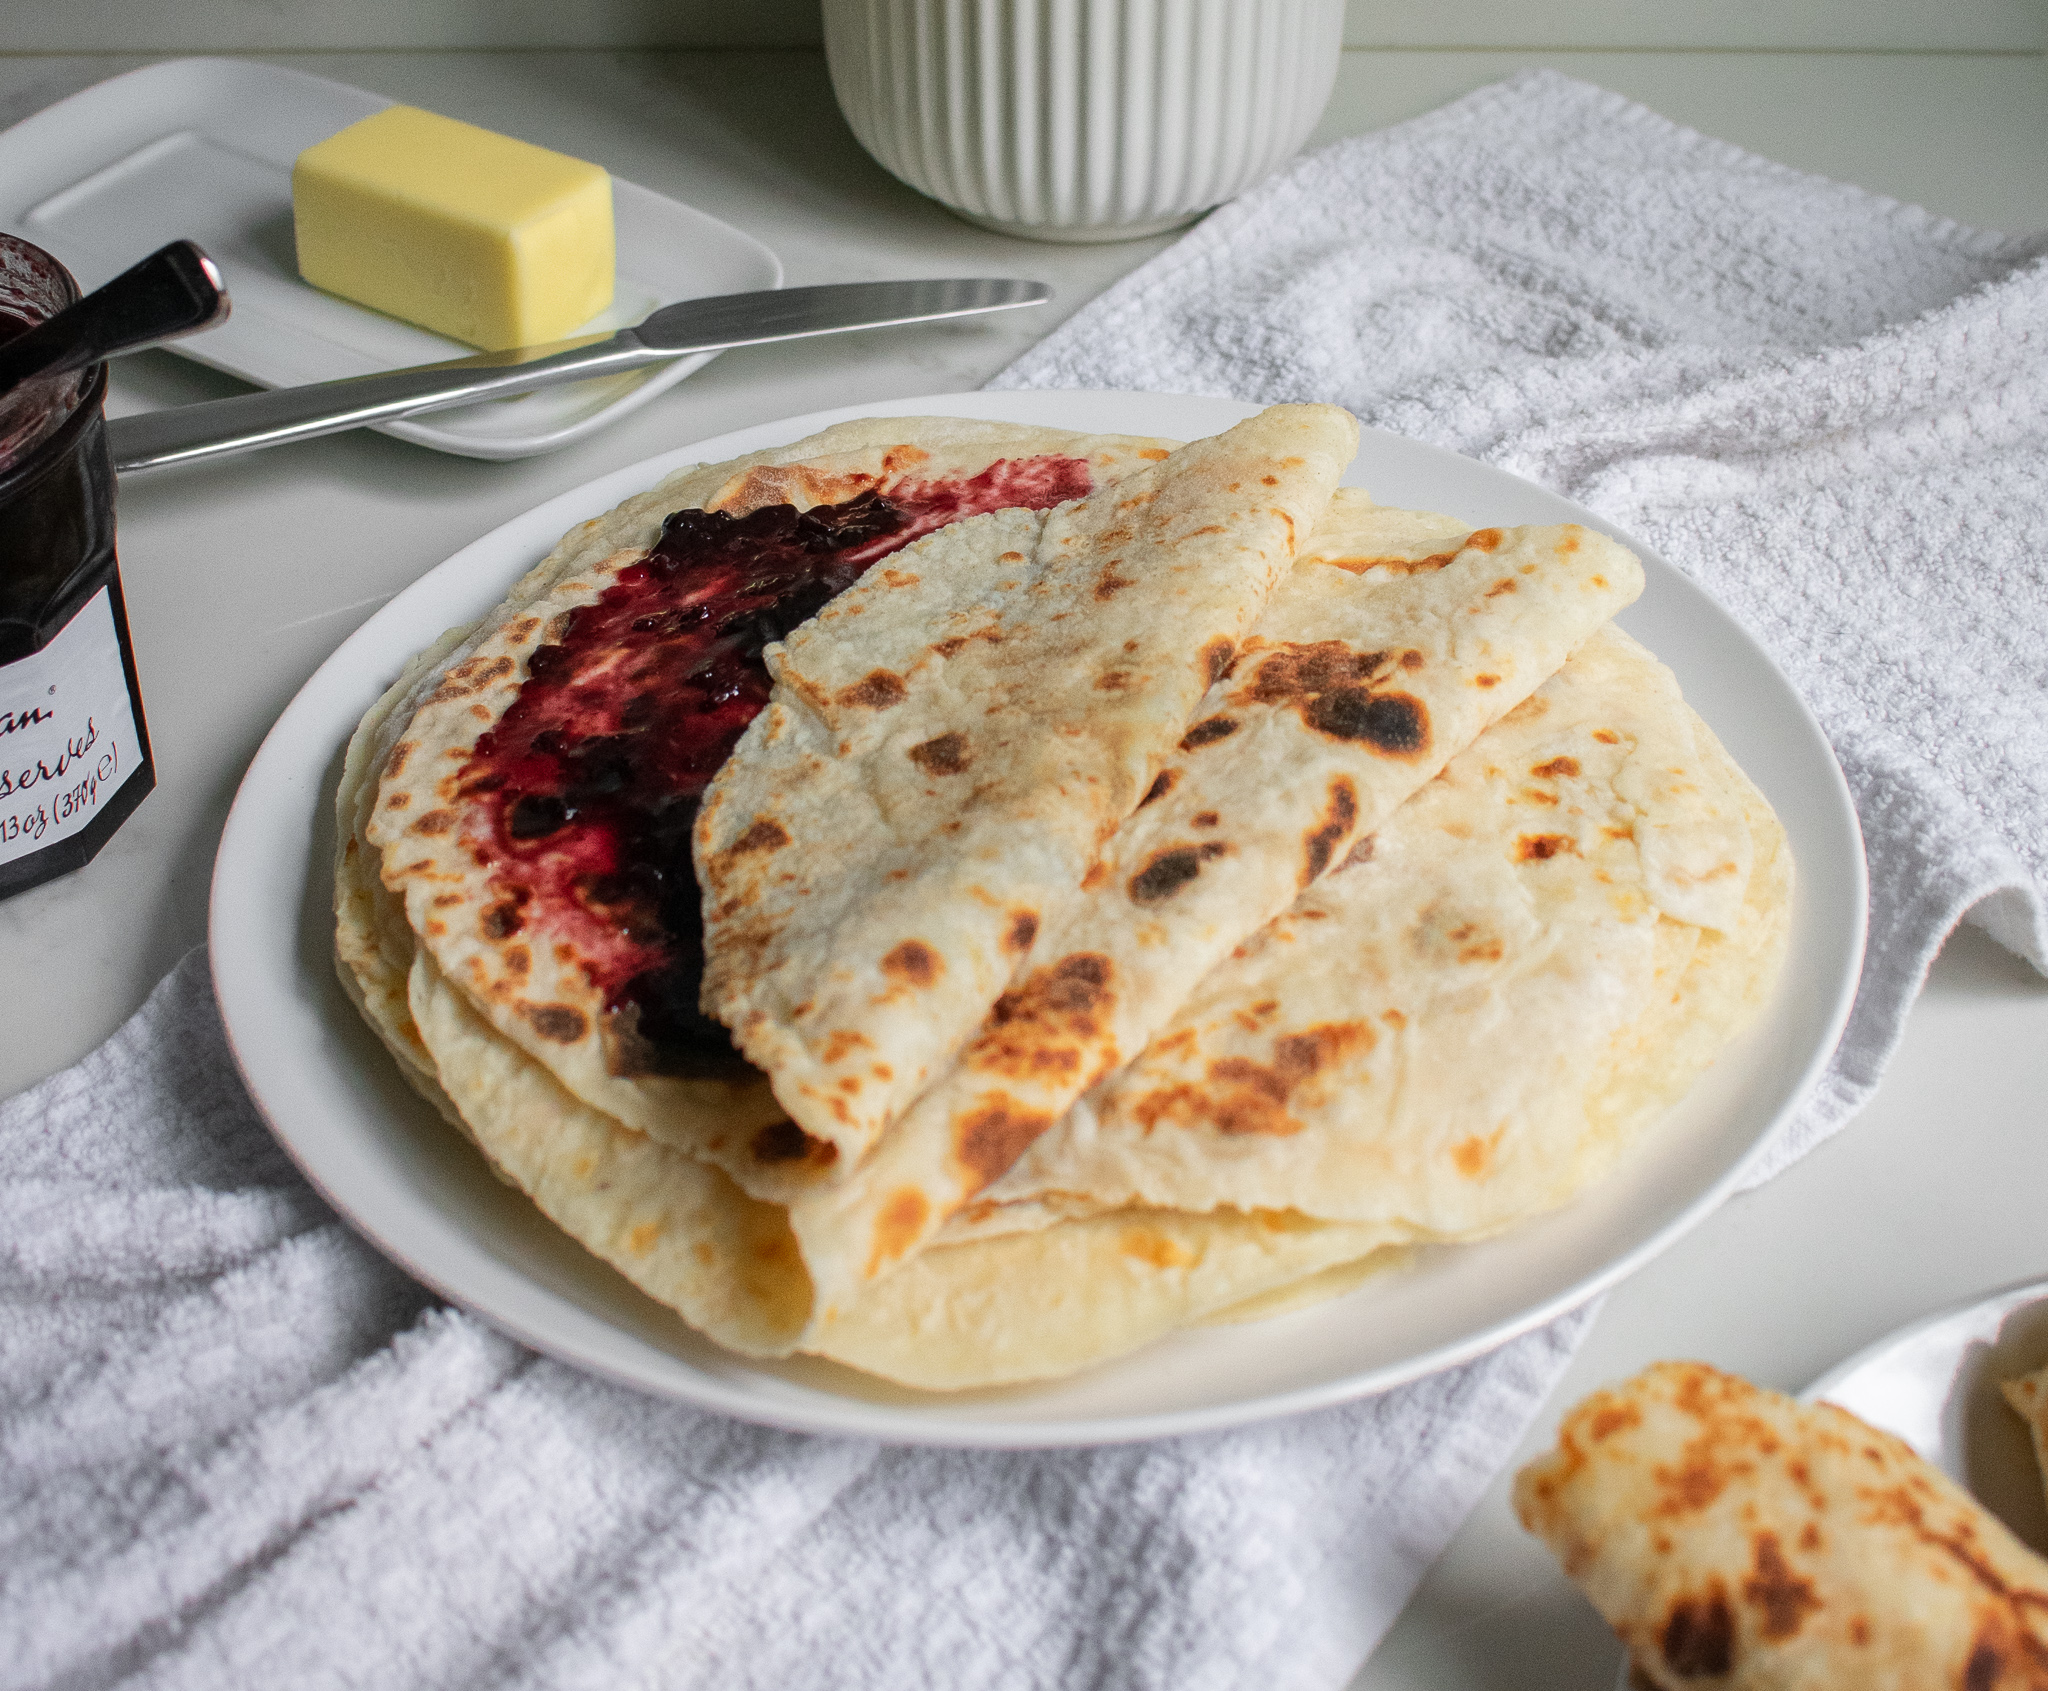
x,y
74,750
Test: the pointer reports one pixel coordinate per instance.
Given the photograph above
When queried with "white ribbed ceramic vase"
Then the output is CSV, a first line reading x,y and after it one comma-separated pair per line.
x,y
1082,120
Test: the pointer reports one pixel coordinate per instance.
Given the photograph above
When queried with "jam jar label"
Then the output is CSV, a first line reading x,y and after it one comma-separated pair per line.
x,y
67,733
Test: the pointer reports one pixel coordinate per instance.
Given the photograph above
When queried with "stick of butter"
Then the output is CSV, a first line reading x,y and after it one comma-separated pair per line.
x,y
472,234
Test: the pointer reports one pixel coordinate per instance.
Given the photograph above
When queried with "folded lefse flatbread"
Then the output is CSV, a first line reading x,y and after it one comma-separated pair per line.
x,y
1531,958
1002,828
1388,648
1735,1537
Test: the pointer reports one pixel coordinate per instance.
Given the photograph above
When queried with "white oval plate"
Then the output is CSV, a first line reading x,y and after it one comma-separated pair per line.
x,y
420,1194
202,149
1934,1383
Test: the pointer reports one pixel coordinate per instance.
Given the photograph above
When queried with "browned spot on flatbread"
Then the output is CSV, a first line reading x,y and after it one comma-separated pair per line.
x,y
1333,687
897,1227
1607,736
841,1043
1486,681
1535,848
563,1023
1152,454
1022,932
988,1139
1781,1597
1483,540
763,834
435,822
785,1142
914,963
518,960
1246,1097
502,920
1698,1635
1109,584
1611,1418
1392,724
467,678
1392,564
1207,732
1148,1245
1258,1015
1206,819
945,755
1115,681
1298,669
1557,768
878,690
1474,1156
1166,872
1049,1023
1339,818
898,578
1162,784
1217,657
1506,584
398,801
399,753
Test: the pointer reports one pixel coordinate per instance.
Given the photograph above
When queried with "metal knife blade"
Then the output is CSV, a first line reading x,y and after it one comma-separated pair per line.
x,y
214,428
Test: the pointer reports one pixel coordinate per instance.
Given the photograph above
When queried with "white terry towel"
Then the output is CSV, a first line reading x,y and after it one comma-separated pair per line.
x,y
237,1449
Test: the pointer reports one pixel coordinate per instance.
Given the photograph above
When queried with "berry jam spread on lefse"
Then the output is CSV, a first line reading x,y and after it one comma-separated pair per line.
x,y
590,782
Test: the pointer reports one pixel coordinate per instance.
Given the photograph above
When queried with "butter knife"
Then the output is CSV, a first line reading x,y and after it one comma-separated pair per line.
x,y
214,428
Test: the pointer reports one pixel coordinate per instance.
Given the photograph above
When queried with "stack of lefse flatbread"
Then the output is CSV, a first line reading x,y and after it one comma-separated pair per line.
x,y
1146,909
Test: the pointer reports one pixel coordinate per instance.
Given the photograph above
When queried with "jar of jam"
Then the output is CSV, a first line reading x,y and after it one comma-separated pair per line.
x,y
74,751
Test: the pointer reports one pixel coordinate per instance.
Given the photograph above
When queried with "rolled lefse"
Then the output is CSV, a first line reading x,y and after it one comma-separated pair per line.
x,y
1735,1537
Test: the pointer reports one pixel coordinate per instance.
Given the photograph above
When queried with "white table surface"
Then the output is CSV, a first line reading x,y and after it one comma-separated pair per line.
x,y
242,577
